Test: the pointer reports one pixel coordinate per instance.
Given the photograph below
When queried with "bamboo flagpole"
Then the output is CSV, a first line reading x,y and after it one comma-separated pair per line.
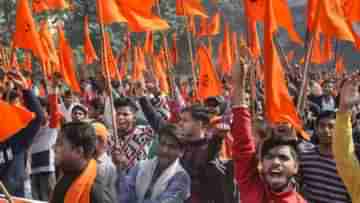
x,y
104,63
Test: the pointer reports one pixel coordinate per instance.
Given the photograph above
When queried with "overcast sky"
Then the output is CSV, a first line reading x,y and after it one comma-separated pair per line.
x,y
296,2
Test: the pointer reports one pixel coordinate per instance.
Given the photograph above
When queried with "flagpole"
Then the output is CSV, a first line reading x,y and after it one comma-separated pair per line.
x,y
335,53
107,77
191,56
167,58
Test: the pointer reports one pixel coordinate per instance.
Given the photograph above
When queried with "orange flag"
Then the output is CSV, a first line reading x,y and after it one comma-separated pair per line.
x,y
352,10
67,65
45,5
110,61
25,35
282,16
89,51
14,61
138,64
340,67
160,75
316,55
332,21
13,119
226,57
190,8
109,12
140,15
278,103
149,43
209,83
51,64
254,43
328,51
210,28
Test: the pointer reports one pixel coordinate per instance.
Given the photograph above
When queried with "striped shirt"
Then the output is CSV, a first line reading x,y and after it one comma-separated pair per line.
x,y
321,182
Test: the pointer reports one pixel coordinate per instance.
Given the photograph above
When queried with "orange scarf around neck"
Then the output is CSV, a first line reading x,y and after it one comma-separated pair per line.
x,y
80,189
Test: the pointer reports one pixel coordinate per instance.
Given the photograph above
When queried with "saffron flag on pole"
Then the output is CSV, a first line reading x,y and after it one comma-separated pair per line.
x,y
26,36
279,106
89,51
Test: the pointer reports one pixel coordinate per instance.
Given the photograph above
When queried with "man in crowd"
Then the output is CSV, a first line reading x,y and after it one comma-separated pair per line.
x,y
13,150
106,168
343,144
161,179
43,176
278,156
319,177
75,152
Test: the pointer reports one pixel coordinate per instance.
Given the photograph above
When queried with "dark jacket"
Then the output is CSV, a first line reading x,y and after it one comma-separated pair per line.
x,y
13,151
198,161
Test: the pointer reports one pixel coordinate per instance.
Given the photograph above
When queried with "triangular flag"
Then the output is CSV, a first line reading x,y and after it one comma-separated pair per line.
x,y
191,25
110,62
328,53
316,55
190,8
51,64
174,52
67,65
138,64
89,51
254,43
332,22
13,119
14,61
160,74
109,12
45,5
209,83
140,15
226,57
27,65
211,27
279,106
25,35
149,43
234,47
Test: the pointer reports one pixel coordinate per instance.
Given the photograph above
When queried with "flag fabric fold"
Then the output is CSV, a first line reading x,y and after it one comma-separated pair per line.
x,y
89,51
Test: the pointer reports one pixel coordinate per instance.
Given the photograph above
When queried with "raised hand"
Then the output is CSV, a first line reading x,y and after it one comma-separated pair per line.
x,y
349,95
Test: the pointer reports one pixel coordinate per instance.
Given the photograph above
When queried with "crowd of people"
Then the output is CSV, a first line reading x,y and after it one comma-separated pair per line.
x,y
144,146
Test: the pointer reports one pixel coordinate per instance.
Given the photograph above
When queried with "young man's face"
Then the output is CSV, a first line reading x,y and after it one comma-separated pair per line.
x,y
78,115
66,156
168,151
125,118
328,88
325,130
189,126
278,166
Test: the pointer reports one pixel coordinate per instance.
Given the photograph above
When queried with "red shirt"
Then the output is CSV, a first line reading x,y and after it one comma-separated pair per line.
x,y
252,187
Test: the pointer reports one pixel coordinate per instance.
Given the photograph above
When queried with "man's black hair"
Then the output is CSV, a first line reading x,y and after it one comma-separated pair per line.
x,y
280,140
125,101
325,114
198,113
2,74
44,102
171,131
81,134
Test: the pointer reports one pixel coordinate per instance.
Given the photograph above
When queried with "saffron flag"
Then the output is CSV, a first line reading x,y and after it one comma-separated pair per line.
x,y
332,22
109,12
160,75
110,63
190,8
25,35
278,103
13,119
140,16
89,51
149,43
352,10
209,83
211,27
45,5
67,65
340,67
282,16
226,54
254,43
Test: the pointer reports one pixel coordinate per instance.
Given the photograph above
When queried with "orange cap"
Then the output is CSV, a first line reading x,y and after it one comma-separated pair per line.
x,y
101,131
